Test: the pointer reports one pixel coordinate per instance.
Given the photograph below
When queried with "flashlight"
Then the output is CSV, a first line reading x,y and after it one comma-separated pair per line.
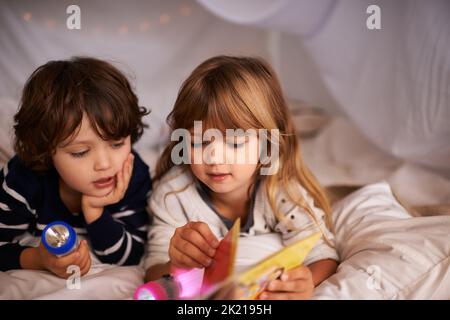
x,y
59,238
165,288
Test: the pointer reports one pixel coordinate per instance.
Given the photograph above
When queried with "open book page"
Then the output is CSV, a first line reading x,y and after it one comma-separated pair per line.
x,y
221,283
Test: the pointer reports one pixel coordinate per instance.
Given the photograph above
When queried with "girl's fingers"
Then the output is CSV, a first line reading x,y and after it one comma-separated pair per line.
x,y
188,249
179,259
289,286
266,295
206,233
193,236
301,272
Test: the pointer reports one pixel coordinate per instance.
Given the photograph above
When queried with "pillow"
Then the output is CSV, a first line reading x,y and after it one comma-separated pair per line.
x,y
385,253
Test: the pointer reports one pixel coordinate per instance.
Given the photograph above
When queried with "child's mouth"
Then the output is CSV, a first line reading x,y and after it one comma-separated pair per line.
x,y
218,176
104,182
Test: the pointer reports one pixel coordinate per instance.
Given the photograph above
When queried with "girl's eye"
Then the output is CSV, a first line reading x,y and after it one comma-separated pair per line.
x,y
198,145
79,154
118,145
237,143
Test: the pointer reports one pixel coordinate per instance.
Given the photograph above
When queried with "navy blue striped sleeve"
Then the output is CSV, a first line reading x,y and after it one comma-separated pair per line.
x,y
119,235
19,189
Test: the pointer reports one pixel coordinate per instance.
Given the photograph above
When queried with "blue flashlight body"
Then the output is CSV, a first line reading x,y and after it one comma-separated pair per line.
x,y
59,238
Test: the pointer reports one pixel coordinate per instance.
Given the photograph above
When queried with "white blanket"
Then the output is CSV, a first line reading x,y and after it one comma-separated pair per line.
x,y
385,253
102,282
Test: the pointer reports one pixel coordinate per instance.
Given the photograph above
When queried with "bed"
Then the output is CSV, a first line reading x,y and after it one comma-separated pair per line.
x,y
388,250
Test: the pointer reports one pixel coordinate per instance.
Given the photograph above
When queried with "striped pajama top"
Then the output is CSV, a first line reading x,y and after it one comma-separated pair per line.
x,y
30,200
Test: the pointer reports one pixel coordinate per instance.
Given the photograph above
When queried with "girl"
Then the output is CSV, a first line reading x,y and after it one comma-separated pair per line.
x,y
196,202
73,135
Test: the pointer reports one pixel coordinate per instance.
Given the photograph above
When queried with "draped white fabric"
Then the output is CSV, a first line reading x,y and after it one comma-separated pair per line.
x,y
156,43
394,83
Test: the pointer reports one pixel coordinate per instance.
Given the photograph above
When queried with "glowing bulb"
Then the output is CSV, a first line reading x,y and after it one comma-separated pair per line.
x,y
50,23
164,18
27,16
144,26
123,29
185,10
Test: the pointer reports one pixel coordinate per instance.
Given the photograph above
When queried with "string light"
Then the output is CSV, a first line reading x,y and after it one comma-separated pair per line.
x,y
164,18
185,10
50,23
123,29
144,26
98,30
27,16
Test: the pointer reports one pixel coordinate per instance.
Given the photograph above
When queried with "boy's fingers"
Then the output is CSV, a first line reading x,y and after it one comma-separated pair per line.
x,y
65,261
127,165
83,263
83,248
131,165
120,183
193,236
85,266
84,251
127,171
194,253
206,233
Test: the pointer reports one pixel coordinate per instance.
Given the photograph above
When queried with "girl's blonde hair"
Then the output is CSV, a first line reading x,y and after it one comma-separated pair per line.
x,y
244,92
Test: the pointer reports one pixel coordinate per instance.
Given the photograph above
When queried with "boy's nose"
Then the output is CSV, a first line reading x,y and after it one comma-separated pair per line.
x,y
102,161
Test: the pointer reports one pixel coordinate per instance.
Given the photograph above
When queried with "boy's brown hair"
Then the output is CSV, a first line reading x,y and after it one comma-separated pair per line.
x,y
56,96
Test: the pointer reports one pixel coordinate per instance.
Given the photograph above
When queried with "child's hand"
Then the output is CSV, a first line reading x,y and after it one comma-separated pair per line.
x,y
58,265
93,206
192,246
295,284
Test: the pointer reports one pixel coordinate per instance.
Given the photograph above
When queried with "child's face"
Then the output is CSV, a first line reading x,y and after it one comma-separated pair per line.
x,y
88,164
219,168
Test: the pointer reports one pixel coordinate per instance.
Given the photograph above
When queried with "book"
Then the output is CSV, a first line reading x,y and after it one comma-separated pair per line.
x,y
220,281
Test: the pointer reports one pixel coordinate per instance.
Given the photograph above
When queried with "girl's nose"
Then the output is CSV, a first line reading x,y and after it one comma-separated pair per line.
x,y
214,153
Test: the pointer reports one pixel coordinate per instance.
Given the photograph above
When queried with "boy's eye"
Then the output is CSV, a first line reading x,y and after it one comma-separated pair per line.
x,y
79,154
118,145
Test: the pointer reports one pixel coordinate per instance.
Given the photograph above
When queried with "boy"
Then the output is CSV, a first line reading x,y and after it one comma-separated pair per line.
x,y
74,130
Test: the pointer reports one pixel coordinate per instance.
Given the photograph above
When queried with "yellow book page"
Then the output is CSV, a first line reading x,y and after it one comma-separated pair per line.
x,y
252,282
